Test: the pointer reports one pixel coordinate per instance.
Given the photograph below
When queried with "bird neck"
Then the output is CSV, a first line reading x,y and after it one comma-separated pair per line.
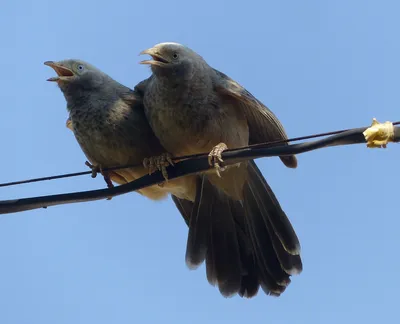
x,y
196,82
79,98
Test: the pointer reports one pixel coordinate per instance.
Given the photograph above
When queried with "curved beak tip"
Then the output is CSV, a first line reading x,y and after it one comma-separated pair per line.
x,y
148,51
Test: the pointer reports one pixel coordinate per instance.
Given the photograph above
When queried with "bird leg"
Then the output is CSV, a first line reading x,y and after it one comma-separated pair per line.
x,y
160,163
98,169
214,158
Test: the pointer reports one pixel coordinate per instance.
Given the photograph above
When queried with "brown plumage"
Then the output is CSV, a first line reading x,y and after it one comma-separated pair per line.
x,y
245,237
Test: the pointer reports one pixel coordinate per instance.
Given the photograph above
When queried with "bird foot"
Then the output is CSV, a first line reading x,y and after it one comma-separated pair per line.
x,y
214,158
95,169
98,169
160,163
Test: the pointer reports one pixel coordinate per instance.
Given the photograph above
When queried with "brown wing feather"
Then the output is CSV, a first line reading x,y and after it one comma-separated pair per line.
x,y
264,126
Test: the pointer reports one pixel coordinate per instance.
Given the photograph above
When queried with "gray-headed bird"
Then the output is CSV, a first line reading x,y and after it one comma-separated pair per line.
x,y
193,108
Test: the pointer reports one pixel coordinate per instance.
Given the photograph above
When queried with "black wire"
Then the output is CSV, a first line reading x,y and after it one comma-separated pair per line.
x,y
260,145
186,167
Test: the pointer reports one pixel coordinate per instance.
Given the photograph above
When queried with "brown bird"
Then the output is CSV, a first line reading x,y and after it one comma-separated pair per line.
x,y
193,108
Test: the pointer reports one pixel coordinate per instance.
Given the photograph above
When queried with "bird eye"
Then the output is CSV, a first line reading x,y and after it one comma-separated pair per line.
x,y
175,56
80,67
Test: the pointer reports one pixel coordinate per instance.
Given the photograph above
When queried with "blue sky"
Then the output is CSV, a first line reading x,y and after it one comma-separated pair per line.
x,y
319,65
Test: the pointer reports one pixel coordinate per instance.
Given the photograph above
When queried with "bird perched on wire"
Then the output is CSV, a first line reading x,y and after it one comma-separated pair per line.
x,y
109,124
193,108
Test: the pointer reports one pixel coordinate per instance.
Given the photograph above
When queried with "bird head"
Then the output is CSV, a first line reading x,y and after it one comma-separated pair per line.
x,y
171,59
73,73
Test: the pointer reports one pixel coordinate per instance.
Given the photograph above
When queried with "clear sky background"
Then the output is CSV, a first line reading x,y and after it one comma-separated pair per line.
x,y
319,65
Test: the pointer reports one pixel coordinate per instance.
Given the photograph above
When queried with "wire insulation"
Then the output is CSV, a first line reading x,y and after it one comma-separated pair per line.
x,y
189,166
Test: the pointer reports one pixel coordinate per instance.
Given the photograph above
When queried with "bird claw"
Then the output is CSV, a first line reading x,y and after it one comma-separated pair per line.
x,y
159,163
98,169
215,158
95,169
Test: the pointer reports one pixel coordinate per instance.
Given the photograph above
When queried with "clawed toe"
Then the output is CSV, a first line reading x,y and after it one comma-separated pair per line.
x,y
95,169
215,158
159,163
98,169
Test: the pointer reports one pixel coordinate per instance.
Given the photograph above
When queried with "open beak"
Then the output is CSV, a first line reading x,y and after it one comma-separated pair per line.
x,y
63,73
157,58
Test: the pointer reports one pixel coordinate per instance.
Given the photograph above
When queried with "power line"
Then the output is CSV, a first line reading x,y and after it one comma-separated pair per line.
x,y
260,145
200,163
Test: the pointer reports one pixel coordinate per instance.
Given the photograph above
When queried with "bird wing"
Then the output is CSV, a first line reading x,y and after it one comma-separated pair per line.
x,y
264,126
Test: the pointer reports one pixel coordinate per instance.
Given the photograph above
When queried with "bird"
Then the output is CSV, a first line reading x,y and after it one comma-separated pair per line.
x,y
193,108
108,121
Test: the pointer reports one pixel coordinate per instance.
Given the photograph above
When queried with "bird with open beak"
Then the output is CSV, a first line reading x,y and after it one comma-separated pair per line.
x,y
109,124
193,108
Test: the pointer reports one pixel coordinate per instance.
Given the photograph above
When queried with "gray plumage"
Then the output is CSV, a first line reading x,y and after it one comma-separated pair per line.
x,y
109,124
191,108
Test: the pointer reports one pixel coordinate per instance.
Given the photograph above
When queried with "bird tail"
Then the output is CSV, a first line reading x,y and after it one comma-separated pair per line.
x,y
213,237
218,236
244,244
275,243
